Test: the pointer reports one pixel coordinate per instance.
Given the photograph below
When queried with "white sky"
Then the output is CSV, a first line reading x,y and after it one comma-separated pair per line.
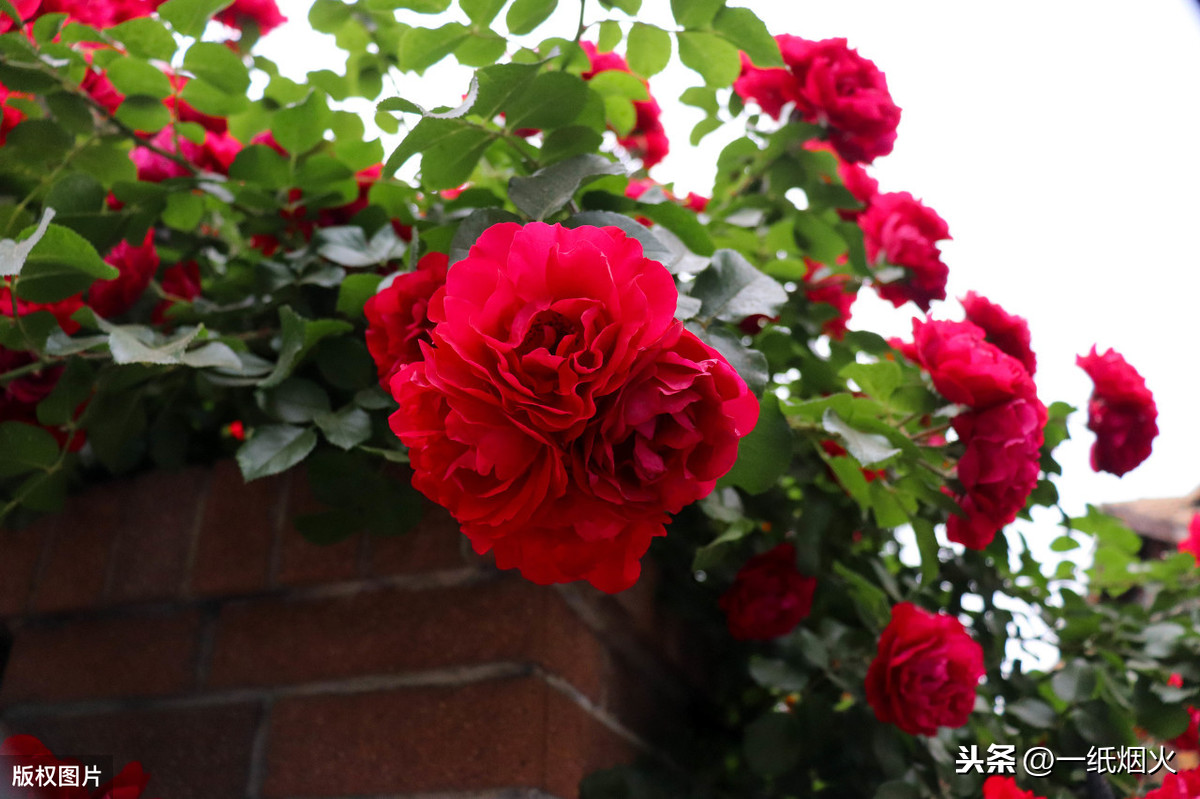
x,y
1058,140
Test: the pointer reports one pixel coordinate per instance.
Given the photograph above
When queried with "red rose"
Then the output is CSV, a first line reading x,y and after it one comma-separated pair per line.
x,y
10,116
215,154
1192,542
925,672
769,596
999,468
648,139
561,412
263,14
832,289
965,368
26,8
1189,739
1005,788
1184,785
397,320
1008,332
136,265
1121,412
832,85
900,231
61,309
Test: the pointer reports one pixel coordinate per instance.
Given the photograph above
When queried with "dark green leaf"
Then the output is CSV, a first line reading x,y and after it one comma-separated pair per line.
x,y
273,449
652,247
76,193
749,363
73,388
562,143
299,336
525,15
26,448
764,454
551,100
732,289
61,264
1033,712
1075,681
143,113
552,187
184,211
294,400
773,744
682,222
219,66
345,363
347,428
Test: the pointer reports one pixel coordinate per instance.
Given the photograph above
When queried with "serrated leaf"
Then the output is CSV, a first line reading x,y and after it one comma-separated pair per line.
x,y
551,100
716,60
552,187
866,448
348,246
525,15
732,289
346,428
274,449
742,28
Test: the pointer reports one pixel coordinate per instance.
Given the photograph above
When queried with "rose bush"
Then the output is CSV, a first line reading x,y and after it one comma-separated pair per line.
x,y
204,257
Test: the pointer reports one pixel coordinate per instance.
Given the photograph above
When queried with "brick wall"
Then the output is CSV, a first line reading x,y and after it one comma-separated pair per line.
x,y
177,619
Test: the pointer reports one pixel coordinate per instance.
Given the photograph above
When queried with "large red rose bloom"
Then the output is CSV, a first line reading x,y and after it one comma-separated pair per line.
x,y
1121,412
769,596
901,231
925,672
397,320
560,411
965,368
1010,333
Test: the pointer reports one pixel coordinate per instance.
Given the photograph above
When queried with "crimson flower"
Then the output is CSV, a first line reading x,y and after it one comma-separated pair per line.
x,y
769,596
1121,412
560,411
900,231
648,139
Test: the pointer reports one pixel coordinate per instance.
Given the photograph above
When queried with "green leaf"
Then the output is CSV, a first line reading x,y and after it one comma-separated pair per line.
x,y
552,187
610,36
481,12
1033,712
184,210
190,17
421,48
302,126
773,744
870,601
630,7
743,29
695,13
878,379
132,75
205,97
562,143
327,16
61,264
471,228
143,113
750,364
347,428
355,291
73,388
481,49
615,83
764,454
928,546
219,66
778,675
420,6
145,37
648,50
295,400
682,222
273,449
1164,720
525,15
551,100
818,238
261,165
620,114
26,448
652,247
1075,681
299,336
348,246
732,288
15,253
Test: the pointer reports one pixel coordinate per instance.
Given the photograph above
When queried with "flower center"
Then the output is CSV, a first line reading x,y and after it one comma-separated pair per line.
x,y
548,330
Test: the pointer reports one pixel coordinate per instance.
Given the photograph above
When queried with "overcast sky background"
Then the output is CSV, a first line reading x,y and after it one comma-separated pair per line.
x,y
1058,140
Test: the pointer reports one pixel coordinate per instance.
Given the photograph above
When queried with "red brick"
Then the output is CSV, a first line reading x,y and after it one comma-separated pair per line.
x,y
190,753
95,658
74,574
301,562
19,553
576,745
471,737
156,534
387,631
434,543
233,554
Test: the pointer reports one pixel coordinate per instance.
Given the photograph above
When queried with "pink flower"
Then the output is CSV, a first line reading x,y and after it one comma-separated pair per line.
x,y
1121,412
648,139
397,320
215,154
829,84
10,115
965,368
137,265
898,230
769,596
1184,785
182,283
1191,544
925,672
561,413
1008,332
